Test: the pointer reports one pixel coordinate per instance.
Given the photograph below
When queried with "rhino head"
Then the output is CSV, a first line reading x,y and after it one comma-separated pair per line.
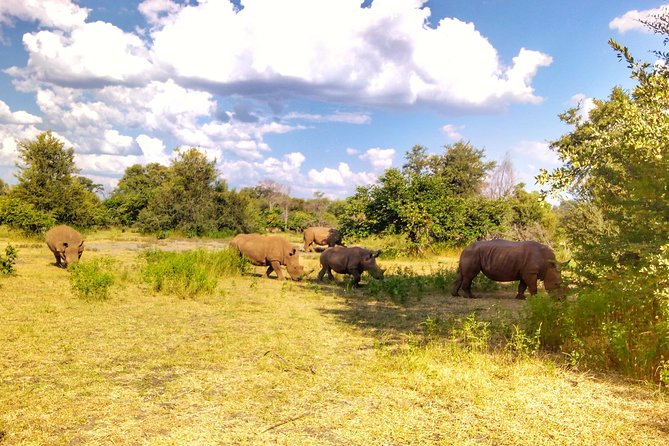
x,y
553,278
369,264
295,270
70,253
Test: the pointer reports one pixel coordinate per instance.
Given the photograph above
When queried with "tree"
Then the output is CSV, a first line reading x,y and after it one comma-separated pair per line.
x,y
47,181
185,200
432,199
616,166
462,167
502,180
135,190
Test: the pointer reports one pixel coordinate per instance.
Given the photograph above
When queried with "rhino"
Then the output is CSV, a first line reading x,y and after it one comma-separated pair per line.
x,y
320,235
506,261
271,251
66,244
353,260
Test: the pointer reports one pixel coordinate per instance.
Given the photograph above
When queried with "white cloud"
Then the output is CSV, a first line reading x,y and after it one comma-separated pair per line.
x,y
528,156
340,177
631,20
153,150
385,54
380,159
63,14
121,97
452,131
345,117
19,117
92,54
585,105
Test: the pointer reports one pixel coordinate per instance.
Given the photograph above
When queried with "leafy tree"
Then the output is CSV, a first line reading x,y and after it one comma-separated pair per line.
x,y
4,187
47,181
186,199
616,166
432,199
134,191
462,167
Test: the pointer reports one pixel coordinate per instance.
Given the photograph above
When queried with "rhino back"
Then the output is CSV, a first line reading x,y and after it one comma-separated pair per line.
x,y
63,234
342,259
504,260
317,234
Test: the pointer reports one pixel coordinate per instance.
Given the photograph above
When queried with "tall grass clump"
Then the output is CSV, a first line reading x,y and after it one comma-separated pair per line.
x,y
189,273
611,327
8,260
403,284
92,280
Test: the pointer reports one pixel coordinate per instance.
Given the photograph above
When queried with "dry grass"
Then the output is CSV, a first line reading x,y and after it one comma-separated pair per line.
x,y
265,362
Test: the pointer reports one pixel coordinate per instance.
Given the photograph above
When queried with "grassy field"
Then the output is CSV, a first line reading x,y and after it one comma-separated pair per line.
x,y
263,362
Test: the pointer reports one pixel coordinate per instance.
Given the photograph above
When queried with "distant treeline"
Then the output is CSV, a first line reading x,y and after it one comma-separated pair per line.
x,y
434,199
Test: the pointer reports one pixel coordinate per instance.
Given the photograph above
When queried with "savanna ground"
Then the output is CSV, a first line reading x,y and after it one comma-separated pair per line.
x,y
263,362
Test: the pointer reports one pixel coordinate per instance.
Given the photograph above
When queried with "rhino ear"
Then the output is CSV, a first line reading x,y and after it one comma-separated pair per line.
x,y
292,252
377,253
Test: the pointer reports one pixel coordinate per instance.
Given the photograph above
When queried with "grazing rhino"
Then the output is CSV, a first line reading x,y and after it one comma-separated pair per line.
x,y
66,244
320,235
506,261
271,251
353,260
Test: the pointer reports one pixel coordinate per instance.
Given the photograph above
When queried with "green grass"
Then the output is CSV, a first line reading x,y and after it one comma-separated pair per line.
x,y
256,361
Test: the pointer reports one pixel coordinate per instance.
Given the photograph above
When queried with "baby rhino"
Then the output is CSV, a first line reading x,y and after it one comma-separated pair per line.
x,y
354,261
66,244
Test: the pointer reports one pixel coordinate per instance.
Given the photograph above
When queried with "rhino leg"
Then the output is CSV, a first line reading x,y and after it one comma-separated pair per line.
x,y
58,260
531,281
522,286
322,272
276,266
356,278
467,285
457,284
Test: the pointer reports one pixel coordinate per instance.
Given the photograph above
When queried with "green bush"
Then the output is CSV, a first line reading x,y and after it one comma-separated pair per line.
x,y
607,328
8,260
18,214
402,284
91,280
189,273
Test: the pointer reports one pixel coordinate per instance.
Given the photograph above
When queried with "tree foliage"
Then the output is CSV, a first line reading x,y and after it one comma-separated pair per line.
x,y
433,198
47,181
616,166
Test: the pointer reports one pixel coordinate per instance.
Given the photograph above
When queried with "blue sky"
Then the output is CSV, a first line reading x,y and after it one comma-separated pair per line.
x,y
316,95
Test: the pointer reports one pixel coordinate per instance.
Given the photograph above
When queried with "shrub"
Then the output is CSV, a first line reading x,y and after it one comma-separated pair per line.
x,y
401,284
91,280
606,328
8,260
189,273
18,214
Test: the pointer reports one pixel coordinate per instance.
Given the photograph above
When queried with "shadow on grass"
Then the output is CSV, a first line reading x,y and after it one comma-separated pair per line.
x,y
392,315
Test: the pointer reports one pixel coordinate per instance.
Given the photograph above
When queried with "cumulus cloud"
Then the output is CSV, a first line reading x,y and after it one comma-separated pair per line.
x,y
631,20
380,159
584,104
123,96
452,131
62,14
19,117
345,117
319,48
340,177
